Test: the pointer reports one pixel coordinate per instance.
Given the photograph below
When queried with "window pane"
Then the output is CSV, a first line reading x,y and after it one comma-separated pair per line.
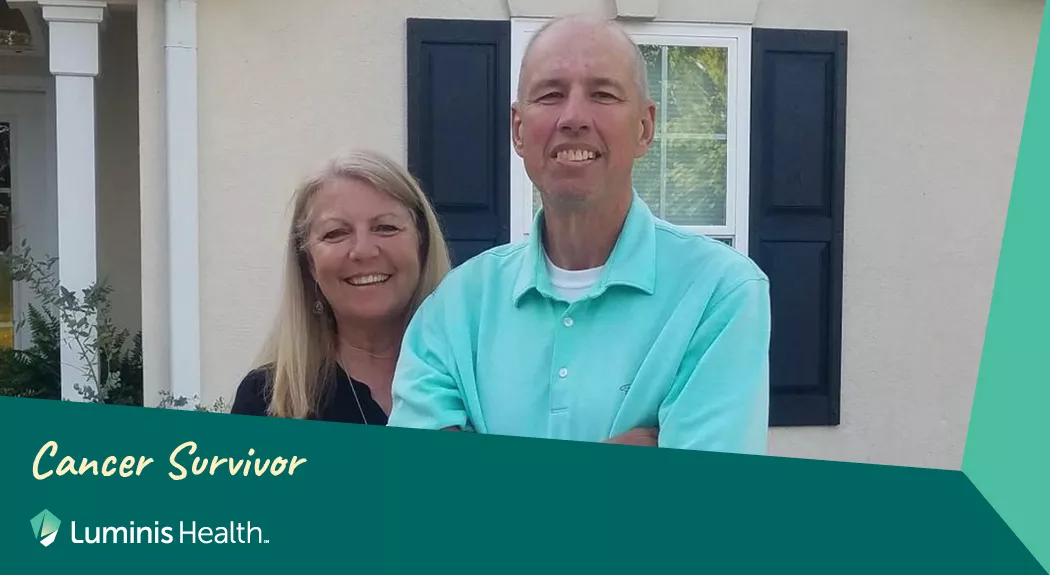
x,y
646,174
697,91
696,183
654,69
646,179
683,177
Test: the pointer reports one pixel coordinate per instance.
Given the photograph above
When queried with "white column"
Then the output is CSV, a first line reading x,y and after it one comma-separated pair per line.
x,y
180,60
73,31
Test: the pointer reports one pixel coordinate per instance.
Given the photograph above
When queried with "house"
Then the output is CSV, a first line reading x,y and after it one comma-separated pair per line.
x,y
861,152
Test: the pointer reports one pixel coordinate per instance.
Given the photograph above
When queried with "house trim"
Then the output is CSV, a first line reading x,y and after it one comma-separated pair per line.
x,y
181,176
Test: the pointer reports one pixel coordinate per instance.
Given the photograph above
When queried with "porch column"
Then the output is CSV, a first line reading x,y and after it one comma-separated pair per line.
x,y
73,31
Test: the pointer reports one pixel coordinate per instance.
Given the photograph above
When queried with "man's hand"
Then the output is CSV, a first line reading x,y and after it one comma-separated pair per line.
x,y
640,436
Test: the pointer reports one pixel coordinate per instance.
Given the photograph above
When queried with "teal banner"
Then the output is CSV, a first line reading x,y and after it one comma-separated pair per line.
x,y
127,489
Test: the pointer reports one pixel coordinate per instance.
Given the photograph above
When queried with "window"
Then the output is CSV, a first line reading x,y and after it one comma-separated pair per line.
x,y
7,331
696,172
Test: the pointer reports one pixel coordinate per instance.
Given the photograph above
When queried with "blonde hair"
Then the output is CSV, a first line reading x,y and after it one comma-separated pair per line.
x,y
300,347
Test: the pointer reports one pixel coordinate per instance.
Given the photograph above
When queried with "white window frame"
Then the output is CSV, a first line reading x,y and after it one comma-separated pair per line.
x,y
737,39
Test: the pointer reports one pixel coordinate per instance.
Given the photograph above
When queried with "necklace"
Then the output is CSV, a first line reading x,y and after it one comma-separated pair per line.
x,y
370,354
353,389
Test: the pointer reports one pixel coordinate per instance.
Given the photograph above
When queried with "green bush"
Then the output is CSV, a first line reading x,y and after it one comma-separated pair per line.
x,y
35,372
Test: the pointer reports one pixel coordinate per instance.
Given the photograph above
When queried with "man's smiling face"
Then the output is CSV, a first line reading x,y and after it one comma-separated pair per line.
x,y
581,119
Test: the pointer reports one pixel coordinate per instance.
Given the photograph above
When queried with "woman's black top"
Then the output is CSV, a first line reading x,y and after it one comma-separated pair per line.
x,y
338,402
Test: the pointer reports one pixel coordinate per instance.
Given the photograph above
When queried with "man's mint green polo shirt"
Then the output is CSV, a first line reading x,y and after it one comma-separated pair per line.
x,y
674,335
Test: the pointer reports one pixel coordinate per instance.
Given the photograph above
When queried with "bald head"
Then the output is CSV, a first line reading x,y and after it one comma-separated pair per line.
x,y
581,24
583,114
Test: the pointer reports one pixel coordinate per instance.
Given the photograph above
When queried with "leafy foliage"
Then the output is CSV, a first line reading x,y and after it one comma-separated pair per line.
x,y
34,372
169,401
82,322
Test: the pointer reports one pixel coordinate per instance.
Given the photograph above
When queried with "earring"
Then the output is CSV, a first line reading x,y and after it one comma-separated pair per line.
x,y
318,304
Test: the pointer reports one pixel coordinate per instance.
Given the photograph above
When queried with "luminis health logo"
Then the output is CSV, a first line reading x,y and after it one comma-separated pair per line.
x,y
45,527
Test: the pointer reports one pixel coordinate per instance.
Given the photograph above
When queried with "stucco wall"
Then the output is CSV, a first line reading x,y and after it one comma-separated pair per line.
x,y
936,99
936,96
23,66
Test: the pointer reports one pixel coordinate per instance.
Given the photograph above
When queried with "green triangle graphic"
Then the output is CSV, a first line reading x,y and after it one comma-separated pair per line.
x,y
44,524
37,522
1005,455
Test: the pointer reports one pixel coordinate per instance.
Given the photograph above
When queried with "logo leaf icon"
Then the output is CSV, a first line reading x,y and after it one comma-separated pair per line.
x,y
45,527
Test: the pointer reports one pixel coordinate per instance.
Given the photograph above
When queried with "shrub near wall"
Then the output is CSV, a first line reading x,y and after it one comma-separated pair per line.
x,y
35,371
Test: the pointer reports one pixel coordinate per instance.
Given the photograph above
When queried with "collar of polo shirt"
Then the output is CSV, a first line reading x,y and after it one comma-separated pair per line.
x,y
632,262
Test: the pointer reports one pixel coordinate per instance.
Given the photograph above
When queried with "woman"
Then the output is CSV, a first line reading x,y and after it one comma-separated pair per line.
x,y
364,250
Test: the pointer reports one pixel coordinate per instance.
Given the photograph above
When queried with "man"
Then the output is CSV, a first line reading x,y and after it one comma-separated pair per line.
x,y
607,324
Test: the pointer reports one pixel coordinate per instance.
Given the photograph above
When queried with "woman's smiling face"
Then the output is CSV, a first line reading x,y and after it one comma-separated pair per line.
x,y
364,250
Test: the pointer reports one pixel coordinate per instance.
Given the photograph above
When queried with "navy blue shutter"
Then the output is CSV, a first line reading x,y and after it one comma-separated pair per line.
x,y
459,127
798,135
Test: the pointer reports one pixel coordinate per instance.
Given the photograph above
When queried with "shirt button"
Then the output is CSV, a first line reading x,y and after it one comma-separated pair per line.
x,y
567,322
563,372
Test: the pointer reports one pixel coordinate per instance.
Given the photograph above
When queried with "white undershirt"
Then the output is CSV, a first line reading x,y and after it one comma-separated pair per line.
x,y
571,284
